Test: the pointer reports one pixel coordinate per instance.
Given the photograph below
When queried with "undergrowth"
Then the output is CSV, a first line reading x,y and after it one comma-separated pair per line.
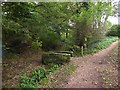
x,y
42,76
97,46
102,44
60,77
37,76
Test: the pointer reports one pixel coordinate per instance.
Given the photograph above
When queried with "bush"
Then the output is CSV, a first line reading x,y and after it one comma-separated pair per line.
x,y
16,38
114,31
50,40
57,58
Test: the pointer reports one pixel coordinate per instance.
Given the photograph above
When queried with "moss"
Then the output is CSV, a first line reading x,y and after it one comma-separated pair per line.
x,y
67,52
56,58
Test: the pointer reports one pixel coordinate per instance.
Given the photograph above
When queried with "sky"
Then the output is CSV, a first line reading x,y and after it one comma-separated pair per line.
x,y
114,20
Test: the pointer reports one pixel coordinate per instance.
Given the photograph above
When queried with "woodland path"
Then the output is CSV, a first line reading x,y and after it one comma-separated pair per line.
x,y
89,73
92,69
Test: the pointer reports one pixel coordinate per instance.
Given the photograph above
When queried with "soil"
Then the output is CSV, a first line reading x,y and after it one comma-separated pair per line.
x,y
13,68
96,71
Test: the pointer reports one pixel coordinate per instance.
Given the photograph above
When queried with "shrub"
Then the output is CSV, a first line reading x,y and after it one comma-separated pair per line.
x,y
50,40
56,58
114,31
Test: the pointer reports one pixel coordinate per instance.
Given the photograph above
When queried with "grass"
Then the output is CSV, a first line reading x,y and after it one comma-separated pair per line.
x,y
97,46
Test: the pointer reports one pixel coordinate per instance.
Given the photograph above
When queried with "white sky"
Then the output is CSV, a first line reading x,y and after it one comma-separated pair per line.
x,y
113,20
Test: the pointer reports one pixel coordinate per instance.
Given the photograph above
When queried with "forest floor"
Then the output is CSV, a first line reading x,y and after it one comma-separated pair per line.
x,y
99,70
13,68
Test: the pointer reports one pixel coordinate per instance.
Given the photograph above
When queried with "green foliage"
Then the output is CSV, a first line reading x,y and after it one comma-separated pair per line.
x,y
61,75
51,26
26,82
56,58
114,31
50,40
59,26
88,21
37,76
52,68
16,38
101,44
36,44
16,10
96,46
75,47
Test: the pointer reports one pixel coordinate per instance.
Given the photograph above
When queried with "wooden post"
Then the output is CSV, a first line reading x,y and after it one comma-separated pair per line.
x,y
82,50
85,44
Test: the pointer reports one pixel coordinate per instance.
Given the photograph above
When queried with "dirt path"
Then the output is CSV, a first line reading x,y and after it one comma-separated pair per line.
x,y
92,69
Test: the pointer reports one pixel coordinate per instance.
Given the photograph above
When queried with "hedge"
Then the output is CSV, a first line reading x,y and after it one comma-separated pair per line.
x,y
114,31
